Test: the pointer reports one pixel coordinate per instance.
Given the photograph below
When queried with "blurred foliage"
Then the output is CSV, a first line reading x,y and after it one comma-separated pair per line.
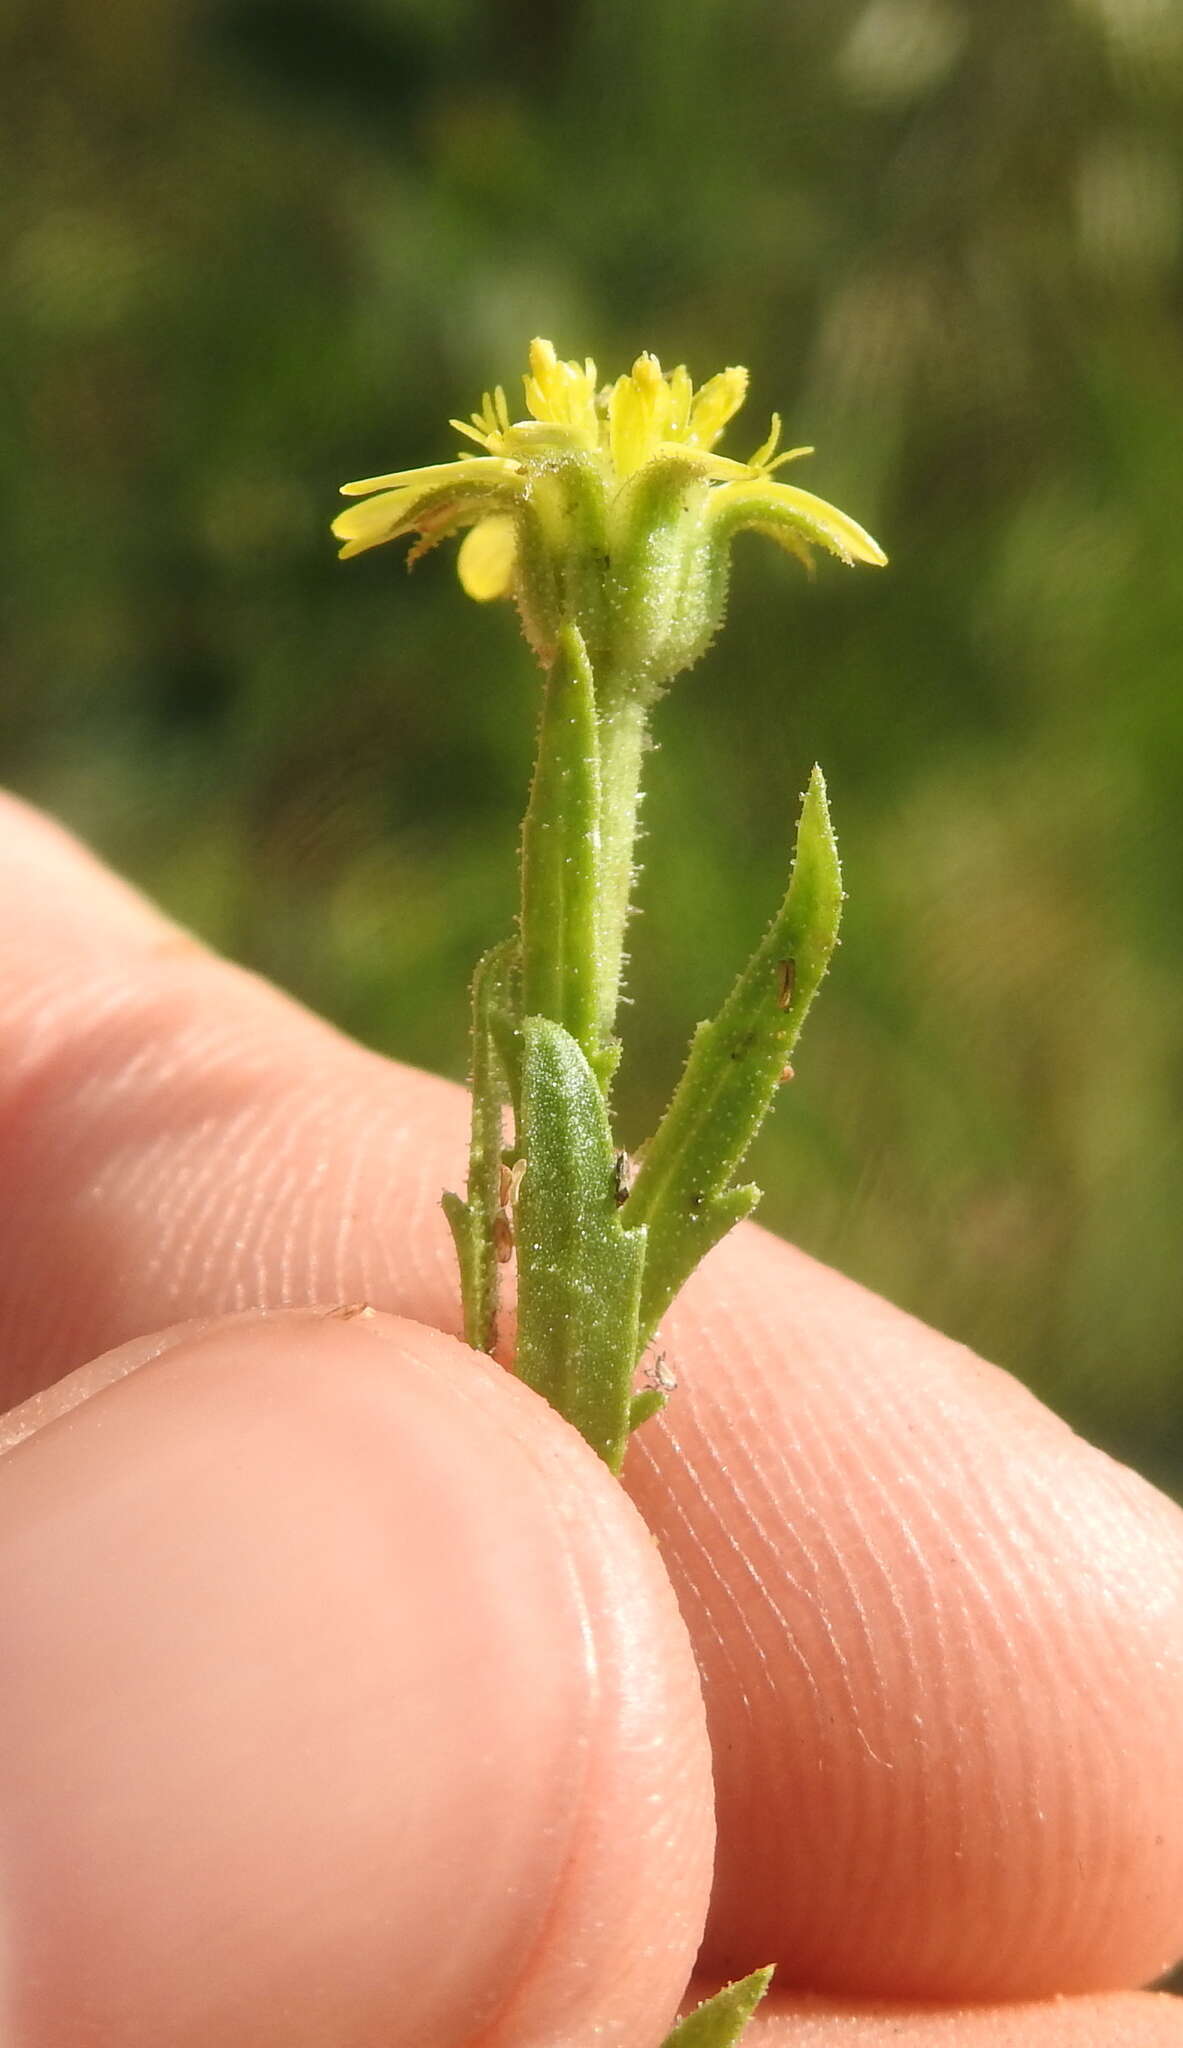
x,y
257,247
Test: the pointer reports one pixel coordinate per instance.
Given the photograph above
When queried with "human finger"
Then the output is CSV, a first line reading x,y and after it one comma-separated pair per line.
x,y
939,1635
345,1700
941,1641
177,1139
1130,2019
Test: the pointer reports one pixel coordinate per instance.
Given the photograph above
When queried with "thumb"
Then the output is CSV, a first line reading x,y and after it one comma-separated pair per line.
x,y
346,1701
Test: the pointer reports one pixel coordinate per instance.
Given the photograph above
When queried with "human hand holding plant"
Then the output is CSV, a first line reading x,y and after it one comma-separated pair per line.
x,y
352,1705
608,516
938,1634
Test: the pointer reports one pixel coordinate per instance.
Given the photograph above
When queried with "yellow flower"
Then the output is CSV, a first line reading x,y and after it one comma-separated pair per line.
x,y
571,509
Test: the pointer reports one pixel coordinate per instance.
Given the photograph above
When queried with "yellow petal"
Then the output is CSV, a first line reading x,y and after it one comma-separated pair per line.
x,y
766,447
681,400
715,404
368,525
470,469
638,411
562,394
488,557
843,533
473,430
719,468
769,505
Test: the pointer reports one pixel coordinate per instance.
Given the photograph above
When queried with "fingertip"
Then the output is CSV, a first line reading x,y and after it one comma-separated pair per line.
x,y
350,1701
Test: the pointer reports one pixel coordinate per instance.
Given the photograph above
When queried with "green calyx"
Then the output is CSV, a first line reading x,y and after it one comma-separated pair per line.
x,y
639,569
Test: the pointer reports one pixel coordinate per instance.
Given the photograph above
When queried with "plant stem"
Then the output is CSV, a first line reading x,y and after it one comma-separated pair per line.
x,y
473,1222
561,855
623,723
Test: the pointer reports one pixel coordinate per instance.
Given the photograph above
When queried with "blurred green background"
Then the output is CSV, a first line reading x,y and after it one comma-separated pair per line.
x,y
259,247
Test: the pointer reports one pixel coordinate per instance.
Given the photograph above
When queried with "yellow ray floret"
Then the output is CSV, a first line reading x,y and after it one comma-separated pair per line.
x,y
432,501
563,394
488,558
613,432
781,510
469,469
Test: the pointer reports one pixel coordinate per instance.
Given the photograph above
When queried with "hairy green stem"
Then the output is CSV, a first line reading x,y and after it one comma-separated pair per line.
x,y
473,1222
561,855
623,723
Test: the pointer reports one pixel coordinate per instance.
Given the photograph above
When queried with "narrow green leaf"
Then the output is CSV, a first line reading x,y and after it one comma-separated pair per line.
x,y
473,1222
683,1193
719,2021
477,1296
644,1406
579,1268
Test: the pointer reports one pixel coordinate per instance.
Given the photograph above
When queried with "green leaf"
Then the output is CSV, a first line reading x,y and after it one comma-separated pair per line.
x,y
683,1194
720,2020
644,1406
474,1223
579,1268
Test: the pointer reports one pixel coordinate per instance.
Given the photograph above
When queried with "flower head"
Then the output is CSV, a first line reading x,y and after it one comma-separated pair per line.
x,y
607,506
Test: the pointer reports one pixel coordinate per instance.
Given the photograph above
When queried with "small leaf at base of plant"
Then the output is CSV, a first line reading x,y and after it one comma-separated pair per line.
x,y
721,2020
